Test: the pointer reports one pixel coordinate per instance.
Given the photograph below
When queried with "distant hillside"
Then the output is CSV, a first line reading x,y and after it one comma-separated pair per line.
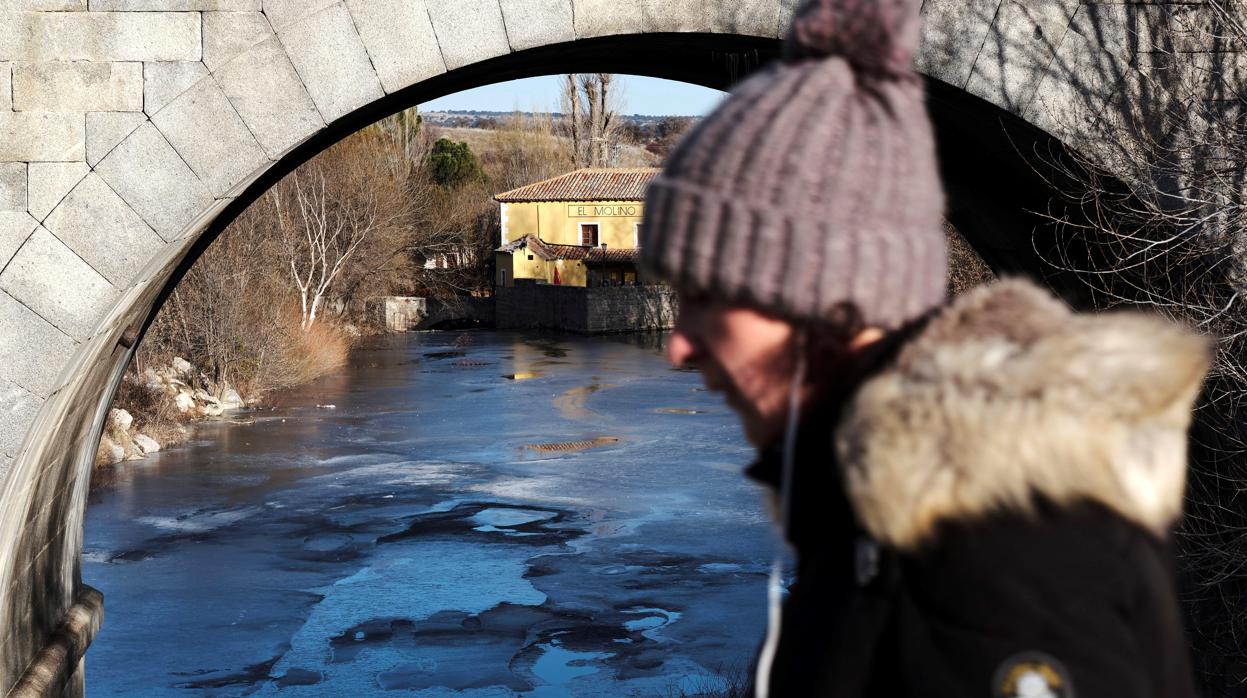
x,y
489,119
646,139
482,141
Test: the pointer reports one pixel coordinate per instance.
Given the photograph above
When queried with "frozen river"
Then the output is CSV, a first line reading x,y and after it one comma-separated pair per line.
x,y
477,514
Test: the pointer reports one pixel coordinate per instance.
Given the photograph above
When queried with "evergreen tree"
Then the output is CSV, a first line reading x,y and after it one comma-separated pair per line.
x,y
452,164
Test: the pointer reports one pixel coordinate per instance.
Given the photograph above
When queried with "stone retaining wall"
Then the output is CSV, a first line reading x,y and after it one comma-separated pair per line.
x,y
585,310
408,313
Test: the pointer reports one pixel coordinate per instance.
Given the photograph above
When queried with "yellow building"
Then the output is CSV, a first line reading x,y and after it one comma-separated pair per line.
x,y
578,229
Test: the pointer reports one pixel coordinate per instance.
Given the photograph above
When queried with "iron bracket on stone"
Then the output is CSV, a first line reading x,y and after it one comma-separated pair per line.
x,y
130,337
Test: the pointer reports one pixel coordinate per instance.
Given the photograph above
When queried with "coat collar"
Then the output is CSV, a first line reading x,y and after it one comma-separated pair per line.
x,y
1006,395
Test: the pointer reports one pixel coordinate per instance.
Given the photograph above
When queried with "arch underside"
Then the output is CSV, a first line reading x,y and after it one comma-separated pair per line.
x,y
993,192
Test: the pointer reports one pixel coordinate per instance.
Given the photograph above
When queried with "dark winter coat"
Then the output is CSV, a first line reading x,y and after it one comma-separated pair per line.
x,y
991,515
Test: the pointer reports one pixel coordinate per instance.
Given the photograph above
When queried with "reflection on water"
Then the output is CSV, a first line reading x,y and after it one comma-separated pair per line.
x,y
413,539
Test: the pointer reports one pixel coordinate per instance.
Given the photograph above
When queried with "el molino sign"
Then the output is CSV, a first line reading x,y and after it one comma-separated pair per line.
x,y
604,211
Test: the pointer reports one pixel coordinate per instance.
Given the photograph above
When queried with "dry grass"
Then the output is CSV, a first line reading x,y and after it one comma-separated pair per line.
x,y
319,350
735,678
966,269
154,413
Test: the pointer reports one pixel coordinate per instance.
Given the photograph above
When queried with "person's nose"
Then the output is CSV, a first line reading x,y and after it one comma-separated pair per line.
x,y
680,351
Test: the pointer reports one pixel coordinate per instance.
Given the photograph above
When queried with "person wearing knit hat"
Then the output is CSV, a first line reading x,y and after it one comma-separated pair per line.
x,y
979,493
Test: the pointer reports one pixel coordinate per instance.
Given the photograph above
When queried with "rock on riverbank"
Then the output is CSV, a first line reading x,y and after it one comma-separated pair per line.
x,y
180,394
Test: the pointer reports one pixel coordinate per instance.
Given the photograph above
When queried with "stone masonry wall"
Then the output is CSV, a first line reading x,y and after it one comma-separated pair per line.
x,y
585,310
404,314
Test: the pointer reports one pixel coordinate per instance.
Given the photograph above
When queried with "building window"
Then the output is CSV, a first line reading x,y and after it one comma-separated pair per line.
x,y
589,234
636,234
502,277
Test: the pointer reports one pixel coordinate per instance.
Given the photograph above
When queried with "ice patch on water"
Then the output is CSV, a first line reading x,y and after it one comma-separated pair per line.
x,y
347,459
198,522
546,490
400,473
650,621
412,581
504,518
99,556
719,567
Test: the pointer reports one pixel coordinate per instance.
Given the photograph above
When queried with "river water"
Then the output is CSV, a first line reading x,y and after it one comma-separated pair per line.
x,y
452,514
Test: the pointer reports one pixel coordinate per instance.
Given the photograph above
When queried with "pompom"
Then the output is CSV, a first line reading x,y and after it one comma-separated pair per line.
x,y
878,37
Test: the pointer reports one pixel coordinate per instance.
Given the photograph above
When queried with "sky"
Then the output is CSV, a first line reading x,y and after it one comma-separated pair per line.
x,y
641,95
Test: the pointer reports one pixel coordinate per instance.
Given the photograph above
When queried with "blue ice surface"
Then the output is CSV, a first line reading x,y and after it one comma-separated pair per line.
x,y
302,555
410,581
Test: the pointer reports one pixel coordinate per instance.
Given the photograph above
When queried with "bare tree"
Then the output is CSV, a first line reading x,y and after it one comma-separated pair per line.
x,y
329,208
571,108
319,237
1154,194
591,104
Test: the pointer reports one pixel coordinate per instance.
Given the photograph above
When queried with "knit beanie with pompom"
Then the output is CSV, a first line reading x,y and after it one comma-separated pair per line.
x,y
814,185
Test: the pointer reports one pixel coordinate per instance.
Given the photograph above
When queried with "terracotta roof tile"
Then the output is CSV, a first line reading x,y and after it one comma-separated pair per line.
x,y
604,184
590,255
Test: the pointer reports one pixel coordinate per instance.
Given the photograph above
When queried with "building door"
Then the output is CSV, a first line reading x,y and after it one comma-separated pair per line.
x,y
589,234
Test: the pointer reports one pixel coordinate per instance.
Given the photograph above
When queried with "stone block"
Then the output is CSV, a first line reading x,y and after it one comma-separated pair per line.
x,y
1111,26
533,23
1079,81
42,137
468,31
1163,25
399,37
230,156
952,33
606,17
332,62
269,96
15,227
17,412
6,86
283,13
175,5
675,15
150,176
50,182
106,129
94,222
47,277
1200,76
78,86
1018,51
163,82
99,36
227,34
787,8
34,350
13,186
746,17
1198,28
46,5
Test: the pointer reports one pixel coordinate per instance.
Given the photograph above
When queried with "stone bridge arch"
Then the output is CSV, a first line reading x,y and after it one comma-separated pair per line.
x,y
132,131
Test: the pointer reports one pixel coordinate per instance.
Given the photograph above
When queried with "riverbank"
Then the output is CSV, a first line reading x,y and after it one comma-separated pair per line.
x,y
162,395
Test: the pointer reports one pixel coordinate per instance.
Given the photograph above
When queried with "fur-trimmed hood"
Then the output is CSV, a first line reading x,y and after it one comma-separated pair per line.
x,y
1007,394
